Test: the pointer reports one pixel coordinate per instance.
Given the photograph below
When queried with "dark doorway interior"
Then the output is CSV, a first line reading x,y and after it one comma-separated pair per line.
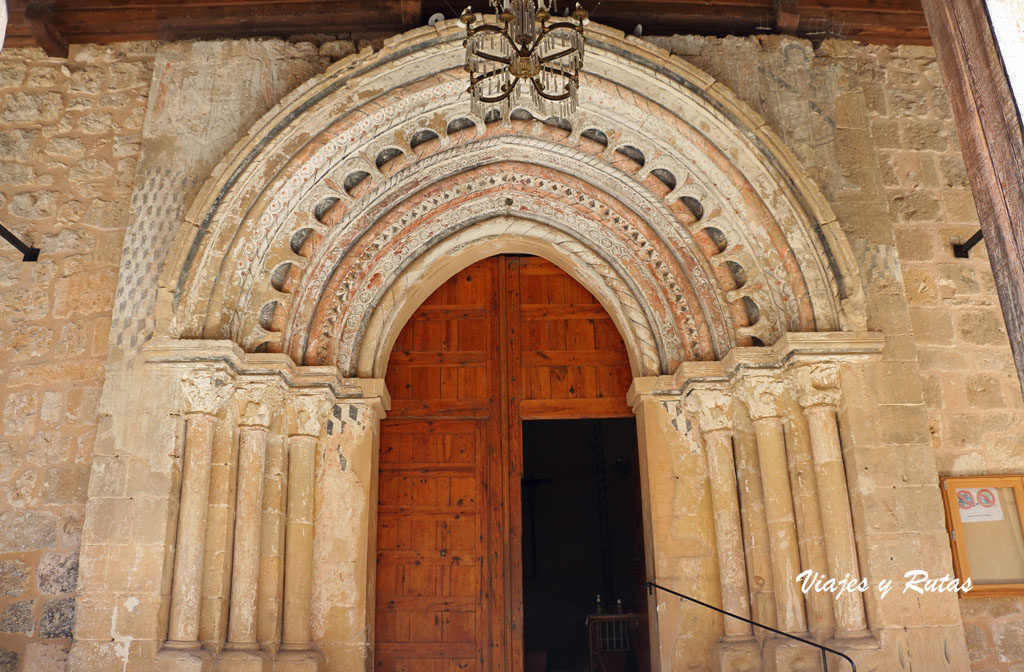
x,y
582,537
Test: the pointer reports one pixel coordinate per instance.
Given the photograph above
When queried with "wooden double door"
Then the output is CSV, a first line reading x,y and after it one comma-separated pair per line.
x,y
505,340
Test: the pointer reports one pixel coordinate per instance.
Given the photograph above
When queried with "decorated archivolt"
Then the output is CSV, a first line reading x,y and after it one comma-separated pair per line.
x,y
664,195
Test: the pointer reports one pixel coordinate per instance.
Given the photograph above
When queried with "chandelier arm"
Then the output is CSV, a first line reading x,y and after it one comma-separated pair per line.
x,y
560,72
477,80
548,96
493,57
487,28
559,25
560,54
548,29
503,32
498,99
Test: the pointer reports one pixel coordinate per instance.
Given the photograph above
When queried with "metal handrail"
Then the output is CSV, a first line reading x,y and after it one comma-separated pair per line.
x,y
824,649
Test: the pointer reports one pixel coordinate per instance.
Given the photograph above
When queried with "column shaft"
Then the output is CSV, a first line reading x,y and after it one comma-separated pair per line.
x,y
183,626
298,564
268,607
755,529
778,502
837,520
820,619
728,530
252,446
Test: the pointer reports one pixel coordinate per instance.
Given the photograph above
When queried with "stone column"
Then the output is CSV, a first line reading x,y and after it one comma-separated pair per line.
x,y
345,543
271,589
204,393
255,406
711,408
761,393
820,619
756,540
307,411
679,527
819,395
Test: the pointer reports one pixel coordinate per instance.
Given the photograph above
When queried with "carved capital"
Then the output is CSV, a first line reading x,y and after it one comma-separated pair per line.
x,y
307,412
712,407
206,391
255,403
817,384
761,393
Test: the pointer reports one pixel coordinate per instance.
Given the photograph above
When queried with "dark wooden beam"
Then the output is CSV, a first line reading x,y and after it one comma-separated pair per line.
x,y
412,13
787,16
993,145
39,17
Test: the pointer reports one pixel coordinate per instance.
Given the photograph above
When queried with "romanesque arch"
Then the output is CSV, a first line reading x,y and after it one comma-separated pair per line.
x,y
666,196
324,228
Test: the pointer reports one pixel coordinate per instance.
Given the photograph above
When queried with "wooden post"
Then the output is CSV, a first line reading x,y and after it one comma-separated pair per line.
x,y
989,125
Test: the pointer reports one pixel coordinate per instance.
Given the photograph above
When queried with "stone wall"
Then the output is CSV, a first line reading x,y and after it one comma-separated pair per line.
x,y
874,128
871,125
70,138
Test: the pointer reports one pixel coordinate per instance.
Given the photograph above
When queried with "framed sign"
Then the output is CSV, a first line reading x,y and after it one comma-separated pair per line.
x,y
983,516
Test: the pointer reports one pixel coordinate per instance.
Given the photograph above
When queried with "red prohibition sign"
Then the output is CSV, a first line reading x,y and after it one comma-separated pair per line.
x,y
986,498
965,499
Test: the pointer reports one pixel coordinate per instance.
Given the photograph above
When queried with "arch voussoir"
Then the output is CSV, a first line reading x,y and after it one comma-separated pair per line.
x,y
665,196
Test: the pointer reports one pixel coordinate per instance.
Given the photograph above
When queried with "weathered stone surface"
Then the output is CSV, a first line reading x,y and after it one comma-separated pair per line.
x,y
9,462
58,573
15,144
129,74
9,661
12,74
85,293
71,147
17,618
20,413
96,123
27,531
48,447
31,107
13,577
87,80
65,485
46,658
58,618
34,205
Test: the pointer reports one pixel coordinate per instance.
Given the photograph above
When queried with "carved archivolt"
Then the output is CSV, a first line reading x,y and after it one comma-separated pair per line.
x,y
666,197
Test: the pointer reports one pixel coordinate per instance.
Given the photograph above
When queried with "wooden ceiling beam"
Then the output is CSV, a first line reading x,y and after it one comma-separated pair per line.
x,y
78,21
992,138
39,17
787,16
411,12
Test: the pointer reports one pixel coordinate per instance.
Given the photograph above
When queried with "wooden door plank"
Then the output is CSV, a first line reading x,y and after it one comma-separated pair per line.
x,y
514,354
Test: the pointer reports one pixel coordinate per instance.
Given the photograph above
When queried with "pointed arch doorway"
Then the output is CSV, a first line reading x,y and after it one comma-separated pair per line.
x,y
508,340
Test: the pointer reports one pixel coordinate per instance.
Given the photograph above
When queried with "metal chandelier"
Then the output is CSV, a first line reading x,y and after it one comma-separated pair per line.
x,y
526,47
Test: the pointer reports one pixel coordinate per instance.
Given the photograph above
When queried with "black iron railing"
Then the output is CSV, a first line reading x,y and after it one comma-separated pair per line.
x,y
824,649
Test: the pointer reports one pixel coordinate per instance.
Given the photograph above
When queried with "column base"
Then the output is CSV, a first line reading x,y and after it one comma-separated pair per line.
x,y
299,660
184,657
737,654
787,655
863,648
243,660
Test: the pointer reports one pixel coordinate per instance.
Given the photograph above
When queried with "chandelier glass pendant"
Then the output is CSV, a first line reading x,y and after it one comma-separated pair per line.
x,y
525,48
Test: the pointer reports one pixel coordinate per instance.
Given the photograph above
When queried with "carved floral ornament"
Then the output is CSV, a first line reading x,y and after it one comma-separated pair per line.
x,y
669,200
